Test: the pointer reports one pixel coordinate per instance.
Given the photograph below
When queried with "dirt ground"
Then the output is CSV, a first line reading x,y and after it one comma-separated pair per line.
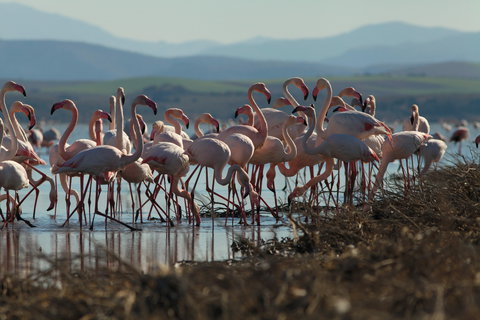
x,y
411,255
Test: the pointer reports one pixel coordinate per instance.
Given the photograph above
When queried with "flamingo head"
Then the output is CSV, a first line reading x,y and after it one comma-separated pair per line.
x,y
30,113
146,101
262,88
214,122
156,127
67,104
100,114
13,86
280,102
299,83
309,111
121,95
338,101
245,109
143,125
351,92
322,83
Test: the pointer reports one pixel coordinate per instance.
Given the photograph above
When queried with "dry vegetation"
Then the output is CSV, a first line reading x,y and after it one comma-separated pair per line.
x,y
413,256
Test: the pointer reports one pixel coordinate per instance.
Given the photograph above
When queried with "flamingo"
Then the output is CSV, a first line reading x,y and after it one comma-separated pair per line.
x,y
136,172
112,138
50,136
432,152
104,161
340,146
423,125
462,133
256,134
355,123
162,132
205,118
215,154
276,118
12,175
170,159
403,145
79,145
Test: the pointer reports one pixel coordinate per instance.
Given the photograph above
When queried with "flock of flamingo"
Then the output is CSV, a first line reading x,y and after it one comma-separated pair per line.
x,y
349,138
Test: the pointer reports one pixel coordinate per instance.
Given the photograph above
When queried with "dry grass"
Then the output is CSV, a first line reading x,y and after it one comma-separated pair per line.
x,y
414,256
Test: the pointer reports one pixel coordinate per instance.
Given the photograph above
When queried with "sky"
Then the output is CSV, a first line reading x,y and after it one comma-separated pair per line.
x,y
230,21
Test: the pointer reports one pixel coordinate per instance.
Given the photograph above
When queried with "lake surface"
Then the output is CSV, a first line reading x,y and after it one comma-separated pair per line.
x,y
108,244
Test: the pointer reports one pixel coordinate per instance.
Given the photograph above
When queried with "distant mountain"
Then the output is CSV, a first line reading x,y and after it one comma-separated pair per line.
x,y
60,60
454,69
47,26
372,49
460,47
321,49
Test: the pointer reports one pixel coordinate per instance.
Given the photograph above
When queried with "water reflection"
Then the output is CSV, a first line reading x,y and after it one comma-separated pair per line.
x,y
25,250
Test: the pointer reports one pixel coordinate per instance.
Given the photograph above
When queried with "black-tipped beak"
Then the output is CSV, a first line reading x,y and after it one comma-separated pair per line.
x,y
123,99
187,124
246,194
109,118
54,107
305,121
314,97
217,128
236,114
269,99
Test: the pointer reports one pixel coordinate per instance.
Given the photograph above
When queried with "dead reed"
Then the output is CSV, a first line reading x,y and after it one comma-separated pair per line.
x,y
409,256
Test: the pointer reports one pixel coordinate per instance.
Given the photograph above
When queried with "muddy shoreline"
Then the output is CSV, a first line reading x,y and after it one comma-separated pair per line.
x,y
414,254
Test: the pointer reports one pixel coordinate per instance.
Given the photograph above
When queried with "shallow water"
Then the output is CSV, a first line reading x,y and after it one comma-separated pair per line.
x,y
21,247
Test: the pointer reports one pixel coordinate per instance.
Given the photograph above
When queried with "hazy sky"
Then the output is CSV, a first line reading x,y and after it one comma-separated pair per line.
x,y
230,21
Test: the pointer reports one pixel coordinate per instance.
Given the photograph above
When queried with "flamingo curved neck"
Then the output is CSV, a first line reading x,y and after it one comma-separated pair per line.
x,y
63,140
14,145
262,122
324,110
19,132
196,126
119,123
113,113
287,93
174,122
127,159
292,148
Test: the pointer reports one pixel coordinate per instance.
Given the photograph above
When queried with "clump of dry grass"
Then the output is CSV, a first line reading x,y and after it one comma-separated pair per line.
x,y
414,255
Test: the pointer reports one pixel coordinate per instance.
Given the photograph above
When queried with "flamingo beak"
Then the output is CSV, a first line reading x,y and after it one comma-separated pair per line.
x,y
305,92
315,93
217,125
20,89
152,135
299,108
186,121
55,107
152,105
236,113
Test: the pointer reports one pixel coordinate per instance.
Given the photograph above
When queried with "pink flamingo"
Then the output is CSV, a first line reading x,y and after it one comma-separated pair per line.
x,y
215,154
462,133
403,145
276,118
12,175
340,146
256,134
112,138
423,125
104,161
355,123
